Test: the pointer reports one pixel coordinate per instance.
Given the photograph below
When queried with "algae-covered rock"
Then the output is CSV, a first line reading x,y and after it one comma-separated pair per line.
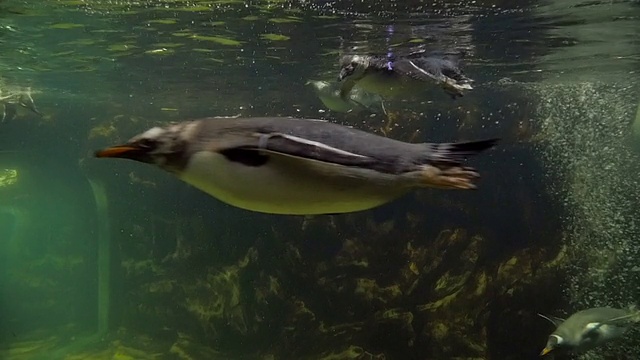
x,y
186,348
351,353
8,177
215,301
329,287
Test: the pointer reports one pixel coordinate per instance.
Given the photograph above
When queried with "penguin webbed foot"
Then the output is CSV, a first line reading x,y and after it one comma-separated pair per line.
x,y
453,177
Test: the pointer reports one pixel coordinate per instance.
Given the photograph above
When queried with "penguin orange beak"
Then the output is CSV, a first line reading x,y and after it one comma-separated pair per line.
x,y
119,151
126,151
545,351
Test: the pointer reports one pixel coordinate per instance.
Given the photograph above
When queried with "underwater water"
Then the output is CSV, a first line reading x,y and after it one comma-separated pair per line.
x,y
108,259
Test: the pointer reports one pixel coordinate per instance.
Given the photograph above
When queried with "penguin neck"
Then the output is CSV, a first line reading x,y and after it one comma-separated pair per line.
x,y
559,339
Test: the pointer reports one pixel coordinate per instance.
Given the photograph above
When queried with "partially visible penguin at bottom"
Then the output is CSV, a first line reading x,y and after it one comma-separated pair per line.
x,y
588,329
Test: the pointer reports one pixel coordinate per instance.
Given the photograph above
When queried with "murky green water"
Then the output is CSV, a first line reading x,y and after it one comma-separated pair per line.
x,y
105,259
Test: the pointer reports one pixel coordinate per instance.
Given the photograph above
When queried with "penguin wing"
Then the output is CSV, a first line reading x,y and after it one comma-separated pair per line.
x,y
288,145
552,319
620,319
439,68
414,68
592,329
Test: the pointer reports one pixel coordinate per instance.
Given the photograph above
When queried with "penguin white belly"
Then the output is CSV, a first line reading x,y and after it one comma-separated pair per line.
x,y
610,332
291,186
334,102
390,86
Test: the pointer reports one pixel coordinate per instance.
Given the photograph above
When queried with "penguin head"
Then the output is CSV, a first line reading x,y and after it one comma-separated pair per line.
x,y
159,146
353,66
554,342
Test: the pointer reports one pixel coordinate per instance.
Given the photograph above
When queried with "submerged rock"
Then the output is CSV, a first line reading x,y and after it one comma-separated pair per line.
x,y
8,177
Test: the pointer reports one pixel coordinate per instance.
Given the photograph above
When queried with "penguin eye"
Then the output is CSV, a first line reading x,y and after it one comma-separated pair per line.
x,y
147,143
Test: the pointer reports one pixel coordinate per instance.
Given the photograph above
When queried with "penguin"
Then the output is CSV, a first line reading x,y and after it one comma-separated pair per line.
x,y
393,76
9,104
588,329
8,111
294,166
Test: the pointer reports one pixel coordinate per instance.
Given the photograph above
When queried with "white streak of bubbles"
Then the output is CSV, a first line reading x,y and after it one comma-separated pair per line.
x,y
586,129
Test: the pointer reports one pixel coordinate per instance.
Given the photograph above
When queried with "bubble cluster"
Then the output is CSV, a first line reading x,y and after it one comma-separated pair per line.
x,y
586,133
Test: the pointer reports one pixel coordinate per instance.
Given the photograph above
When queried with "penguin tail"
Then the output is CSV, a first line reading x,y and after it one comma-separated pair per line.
x,y
635,313
455,153
444,169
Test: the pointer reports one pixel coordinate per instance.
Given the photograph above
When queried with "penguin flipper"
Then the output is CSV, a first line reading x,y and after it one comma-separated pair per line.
x,y
412,69
554,320
448,77
622,319
290,145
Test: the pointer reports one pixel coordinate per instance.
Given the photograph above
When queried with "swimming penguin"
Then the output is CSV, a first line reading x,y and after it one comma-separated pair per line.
x,y
298,166
8,110
9,104
399,75
358,99
588,329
